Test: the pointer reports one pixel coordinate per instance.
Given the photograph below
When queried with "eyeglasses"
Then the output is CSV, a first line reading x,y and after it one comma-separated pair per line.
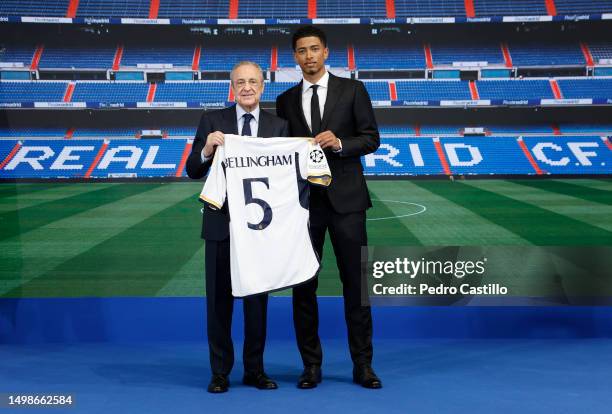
x,y
241,83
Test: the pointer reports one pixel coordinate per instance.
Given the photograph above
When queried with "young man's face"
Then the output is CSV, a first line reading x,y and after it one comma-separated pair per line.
x,y
248,86
311,55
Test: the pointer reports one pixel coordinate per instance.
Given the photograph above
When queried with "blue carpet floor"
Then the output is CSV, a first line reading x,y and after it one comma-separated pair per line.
x,y
419,376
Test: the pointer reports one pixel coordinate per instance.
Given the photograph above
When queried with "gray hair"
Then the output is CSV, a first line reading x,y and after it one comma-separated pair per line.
x,y
244,63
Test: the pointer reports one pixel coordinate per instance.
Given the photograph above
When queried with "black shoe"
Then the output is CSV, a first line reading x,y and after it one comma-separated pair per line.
x,y
259,380
310,377
218,384
365,376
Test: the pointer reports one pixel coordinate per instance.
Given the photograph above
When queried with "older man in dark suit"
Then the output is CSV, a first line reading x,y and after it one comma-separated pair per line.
x,y
338,113
246,117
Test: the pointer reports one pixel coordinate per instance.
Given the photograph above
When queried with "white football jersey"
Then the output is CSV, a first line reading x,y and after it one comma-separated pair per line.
x,y
265,181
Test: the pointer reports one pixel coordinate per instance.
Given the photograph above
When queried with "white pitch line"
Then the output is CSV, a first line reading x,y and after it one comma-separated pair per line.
x,y
423,209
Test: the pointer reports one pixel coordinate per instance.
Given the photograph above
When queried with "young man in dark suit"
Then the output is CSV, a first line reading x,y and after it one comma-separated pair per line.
x,y
246,117
338,113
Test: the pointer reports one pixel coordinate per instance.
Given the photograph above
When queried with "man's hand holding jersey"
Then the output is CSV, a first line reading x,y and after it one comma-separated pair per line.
x,y
212,141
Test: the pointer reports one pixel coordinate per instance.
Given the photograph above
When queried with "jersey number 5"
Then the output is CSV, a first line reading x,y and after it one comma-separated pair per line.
x,y
249,199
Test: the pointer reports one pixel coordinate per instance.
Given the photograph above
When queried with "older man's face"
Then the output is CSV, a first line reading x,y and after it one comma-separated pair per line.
x,y
247,84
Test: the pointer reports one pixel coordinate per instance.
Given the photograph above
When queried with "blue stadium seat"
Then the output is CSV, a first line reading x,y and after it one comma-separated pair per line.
x,y
600,50
509,8
17,53
514,89
114,8
582,128
32,91
432,130
105,133
112,92
192,91
177,55
583,6
271,9
194,8
391,57
378,91
539,53
350,8
224,58
429,8
32,132
586,88
445,53
273,89
99,57
55,8
520,129
181,131
426,90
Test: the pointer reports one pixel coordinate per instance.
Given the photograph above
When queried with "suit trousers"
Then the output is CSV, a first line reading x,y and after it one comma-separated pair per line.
x,y
219,309
348,234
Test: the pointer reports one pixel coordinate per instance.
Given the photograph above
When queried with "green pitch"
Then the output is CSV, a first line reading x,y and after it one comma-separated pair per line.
x,y
142,239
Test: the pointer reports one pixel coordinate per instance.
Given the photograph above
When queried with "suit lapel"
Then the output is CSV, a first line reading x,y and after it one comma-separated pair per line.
x,y
229,121
297,98
264,127
333,94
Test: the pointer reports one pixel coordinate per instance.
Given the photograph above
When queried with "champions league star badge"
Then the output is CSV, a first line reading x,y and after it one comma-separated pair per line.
x,y
316,155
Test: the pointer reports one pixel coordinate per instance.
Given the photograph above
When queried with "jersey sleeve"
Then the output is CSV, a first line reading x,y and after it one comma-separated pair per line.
x,y
215,188
317,169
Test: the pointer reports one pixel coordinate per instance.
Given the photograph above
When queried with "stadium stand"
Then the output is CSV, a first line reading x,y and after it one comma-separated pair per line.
x,y
176,55
224,58
600,50
367,55
568,154
110,92
271,9
509,7
113,8
218,91
182,131
379,91
547,54
200,9
192,92
514,89
34,7
17,54
420,90
351,8
425,8
484,51
194,8
32,91
394,57
77,57
586,88
582,6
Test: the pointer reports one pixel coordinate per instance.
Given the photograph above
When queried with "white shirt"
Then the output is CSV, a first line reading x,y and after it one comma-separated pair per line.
x,y
307,96
265,182
254,121
322,94
240,122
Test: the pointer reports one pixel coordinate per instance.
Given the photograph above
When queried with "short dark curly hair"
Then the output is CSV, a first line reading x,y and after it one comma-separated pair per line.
x,y
309,31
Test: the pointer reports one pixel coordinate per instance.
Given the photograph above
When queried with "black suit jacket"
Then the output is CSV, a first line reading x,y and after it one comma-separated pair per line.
x,y
215,223
349,115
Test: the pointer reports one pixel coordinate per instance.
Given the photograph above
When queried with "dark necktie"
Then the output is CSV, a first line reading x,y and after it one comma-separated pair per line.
x,y
315,112
246,127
